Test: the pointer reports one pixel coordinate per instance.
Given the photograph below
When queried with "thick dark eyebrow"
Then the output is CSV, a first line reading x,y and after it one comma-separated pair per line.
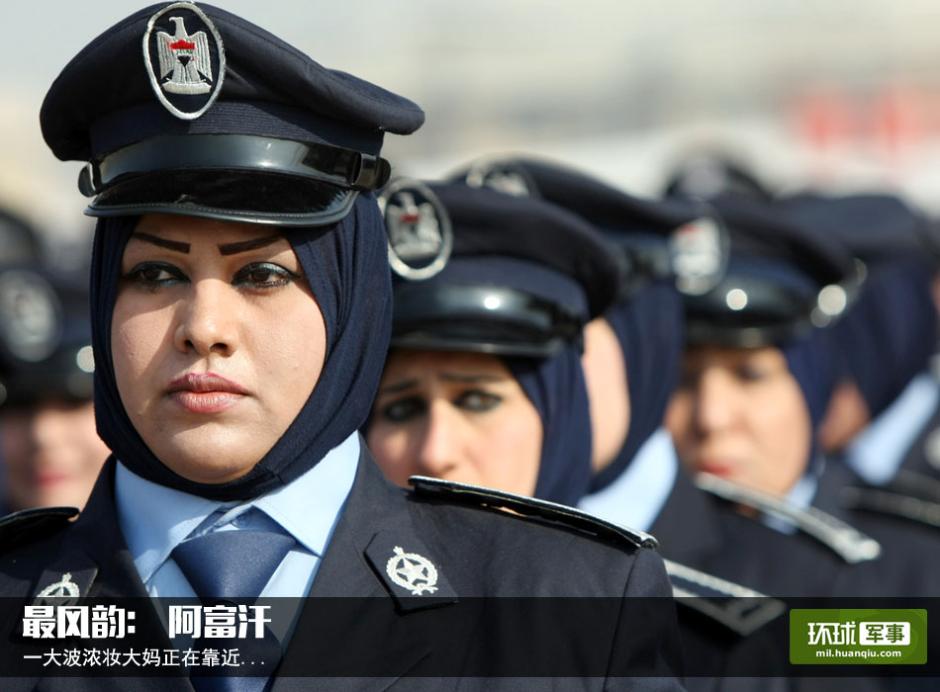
x,y
446,376
162,242
398,387
246,245
470,379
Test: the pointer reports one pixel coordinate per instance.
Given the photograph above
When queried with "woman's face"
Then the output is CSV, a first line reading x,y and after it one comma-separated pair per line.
x,y
52,454
740,414
217,342
458,416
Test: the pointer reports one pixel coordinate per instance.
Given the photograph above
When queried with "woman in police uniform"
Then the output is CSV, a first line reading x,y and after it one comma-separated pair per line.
x,y
484,383
756,382
631,362
240,319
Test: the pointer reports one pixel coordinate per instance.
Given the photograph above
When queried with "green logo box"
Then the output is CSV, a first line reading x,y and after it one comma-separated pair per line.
x,y
858,637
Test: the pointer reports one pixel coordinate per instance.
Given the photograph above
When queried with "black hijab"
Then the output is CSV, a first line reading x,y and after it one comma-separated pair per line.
x,y
650,329
888,335
346,267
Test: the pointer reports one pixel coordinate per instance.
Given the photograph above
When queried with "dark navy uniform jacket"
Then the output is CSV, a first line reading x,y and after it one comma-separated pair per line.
x,y
523,557
708,533
910,550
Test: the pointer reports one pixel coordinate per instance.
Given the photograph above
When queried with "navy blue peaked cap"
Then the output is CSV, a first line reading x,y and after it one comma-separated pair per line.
x,y
641,228
522,278
774,282
873,227
758,229
187,108
609,209
647,317
45,350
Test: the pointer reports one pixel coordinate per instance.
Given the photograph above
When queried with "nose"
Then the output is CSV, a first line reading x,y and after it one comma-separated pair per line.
x,y
438,449
48,427
715,401
208,320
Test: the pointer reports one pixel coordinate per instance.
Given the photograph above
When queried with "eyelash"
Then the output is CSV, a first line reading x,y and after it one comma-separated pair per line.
x,y
146,275
418,405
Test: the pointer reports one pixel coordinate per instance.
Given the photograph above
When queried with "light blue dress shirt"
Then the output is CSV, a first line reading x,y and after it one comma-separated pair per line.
x,y
878,451
637,496
155,519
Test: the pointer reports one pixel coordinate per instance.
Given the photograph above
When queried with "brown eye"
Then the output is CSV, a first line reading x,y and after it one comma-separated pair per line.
x,y
154,275
751,373
261,275
478,401
403,410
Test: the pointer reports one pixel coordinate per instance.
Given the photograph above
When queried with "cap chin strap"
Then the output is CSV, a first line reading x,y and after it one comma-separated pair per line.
x,y
344,168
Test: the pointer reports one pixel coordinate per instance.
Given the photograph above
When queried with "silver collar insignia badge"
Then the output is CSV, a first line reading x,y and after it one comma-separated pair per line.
x,y
412,571
185,59
57,592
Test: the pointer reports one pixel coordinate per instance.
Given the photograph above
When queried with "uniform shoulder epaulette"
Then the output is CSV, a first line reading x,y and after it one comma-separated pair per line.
x,y
735,607
844,540
33,524
892,502
531,508
915,484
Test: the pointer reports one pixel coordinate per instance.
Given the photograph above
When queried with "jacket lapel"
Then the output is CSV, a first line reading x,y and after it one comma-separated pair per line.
x,y
357,617
687,529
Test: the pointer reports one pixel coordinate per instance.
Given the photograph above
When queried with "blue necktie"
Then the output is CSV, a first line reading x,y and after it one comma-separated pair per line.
x,y
230,565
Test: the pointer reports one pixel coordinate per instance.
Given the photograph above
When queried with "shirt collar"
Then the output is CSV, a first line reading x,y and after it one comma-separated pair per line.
x,y
155,518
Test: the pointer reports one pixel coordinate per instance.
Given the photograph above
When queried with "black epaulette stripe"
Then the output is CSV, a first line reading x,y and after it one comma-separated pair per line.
x,y
886,501
532,507
914,484
32,524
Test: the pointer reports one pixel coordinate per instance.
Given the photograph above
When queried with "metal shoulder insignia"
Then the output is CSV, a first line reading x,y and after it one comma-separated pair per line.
x,y
735,607
32,524
531,508
848,543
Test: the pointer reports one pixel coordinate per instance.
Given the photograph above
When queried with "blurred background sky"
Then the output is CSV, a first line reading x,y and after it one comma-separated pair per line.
x,y
843,94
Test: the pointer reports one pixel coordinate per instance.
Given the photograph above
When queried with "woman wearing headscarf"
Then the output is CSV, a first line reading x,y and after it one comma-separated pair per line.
x,y
879,418
757,378
484,382
50,452
241,310
631,361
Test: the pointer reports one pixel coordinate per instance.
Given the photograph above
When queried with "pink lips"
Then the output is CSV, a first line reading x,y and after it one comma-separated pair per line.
x,y
205,393
723,469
